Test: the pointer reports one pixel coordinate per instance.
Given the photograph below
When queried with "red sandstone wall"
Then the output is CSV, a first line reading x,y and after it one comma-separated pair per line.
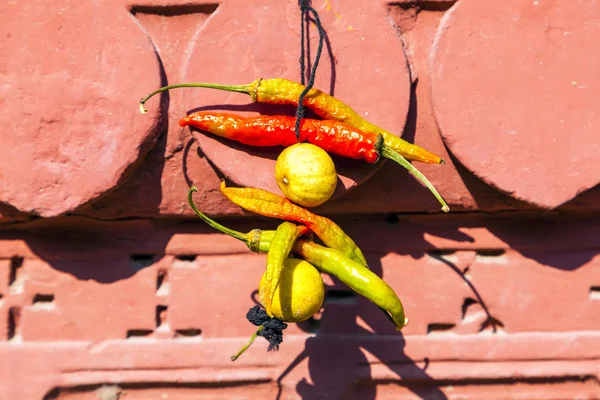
x,y
110,287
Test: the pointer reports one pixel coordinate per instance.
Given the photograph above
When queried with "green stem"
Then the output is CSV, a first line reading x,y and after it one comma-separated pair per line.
x,y
230,88
252,339
388,152
238,235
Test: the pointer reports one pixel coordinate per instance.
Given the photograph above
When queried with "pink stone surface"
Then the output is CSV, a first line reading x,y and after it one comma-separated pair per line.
x,y
514,89
158,185
130,296
71,130
159,310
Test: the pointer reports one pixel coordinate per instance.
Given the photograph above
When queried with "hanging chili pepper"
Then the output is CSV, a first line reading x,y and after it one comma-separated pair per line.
x,y
283,91
355,275
281,246
334,137
269,204
265,131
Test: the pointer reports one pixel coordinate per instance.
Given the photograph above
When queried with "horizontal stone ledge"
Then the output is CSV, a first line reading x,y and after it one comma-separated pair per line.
x,y
198,352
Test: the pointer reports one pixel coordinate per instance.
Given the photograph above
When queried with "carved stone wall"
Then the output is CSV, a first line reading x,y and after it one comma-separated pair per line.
x,y
110,287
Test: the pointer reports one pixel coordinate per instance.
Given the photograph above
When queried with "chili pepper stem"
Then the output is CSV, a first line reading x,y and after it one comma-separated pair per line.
x,y
238,235
388,152
247,345
230,88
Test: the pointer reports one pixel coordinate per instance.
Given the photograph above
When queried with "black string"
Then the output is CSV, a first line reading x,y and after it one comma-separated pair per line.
x,y
305,8
302,67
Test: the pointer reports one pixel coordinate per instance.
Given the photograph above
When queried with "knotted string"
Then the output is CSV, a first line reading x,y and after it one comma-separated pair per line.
x,y
272,327
305,9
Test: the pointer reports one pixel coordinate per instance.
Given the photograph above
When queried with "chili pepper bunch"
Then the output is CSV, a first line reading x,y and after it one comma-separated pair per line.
x,y
340,256
342,131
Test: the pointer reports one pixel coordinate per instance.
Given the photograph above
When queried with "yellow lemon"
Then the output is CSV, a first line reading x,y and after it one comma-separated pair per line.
x,y
299,294
306,174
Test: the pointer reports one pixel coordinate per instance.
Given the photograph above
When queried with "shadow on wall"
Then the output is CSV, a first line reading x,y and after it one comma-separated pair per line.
x,y
537,234
338,366
114,251
105,252
553,240
95,252
141,193
564,242
340,371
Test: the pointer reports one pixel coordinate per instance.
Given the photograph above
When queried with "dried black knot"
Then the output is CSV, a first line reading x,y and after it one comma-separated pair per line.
x,y
272,327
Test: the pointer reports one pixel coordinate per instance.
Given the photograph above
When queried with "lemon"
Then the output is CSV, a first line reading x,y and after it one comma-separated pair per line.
x,y
299,294
306,174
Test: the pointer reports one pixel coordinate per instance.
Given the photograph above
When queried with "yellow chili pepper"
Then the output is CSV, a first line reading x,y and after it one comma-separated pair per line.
x,y
269,204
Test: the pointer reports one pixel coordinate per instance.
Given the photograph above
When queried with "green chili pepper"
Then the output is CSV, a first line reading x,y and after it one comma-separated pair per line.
x,y
358,278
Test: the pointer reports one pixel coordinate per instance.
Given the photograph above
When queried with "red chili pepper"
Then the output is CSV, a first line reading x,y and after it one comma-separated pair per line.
x,y
264,131
283,91
332,136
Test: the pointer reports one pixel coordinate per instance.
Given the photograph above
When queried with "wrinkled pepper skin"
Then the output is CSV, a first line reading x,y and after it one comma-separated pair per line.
x,y
281,245
283,91
268,204
264,130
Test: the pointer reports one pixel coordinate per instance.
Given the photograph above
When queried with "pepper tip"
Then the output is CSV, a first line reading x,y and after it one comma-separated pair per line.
x,y
269,312
442,161
141,107
445,208
185,121
399,328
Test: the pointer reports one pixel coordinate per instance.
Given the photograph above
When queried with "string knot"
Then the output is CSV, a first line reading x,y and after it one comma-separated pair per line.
x,y
272,327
